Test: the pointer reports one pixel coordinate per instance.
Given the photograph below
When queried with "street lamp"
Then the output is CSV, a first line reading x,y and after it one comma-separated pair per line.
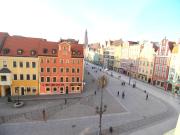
x,y
131,65
102,83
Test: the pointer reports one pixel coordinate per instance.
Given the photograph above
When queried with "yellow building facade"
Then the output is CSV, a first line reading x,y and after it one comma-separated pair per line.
x,y
146,62
22,78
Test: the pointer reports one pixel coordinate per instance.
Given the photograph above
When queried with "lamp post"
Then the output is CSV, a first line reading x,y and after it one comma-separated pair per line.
x,y
131,65
18,96
102,83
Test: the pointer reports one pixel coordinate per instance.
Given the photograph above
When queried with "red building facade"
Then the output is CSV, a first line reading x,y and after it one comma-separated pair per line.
x,y
62,73
161,64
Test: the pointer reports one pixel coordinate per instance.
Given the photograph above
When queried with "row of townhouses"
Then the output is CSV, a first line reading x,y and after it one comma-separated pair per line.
x,y
156,63
35,66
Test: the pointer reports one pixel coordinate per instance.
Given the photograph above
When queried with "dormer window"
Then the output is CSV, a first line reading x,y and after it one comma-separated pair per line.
x,y
19,51
6,50
45,50
54,51
33,52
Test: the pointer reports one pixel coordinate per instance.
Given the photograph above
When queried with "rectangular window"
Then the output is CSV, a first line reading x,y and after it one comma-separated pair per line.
x,y
78,79
67,61
21,64
34,77
47,60
61,90
54,89
72,88
14,64
34,90
54,70
73,79
42,70
78,62
147,63
42,79
48,70
16,89
28,89
61,61
78,70
15,76
73,61
73,70
54,79
4,63
61,70
27,64
61,79
21,77
47,89
27,77
67,70
34,64
41,60
47,79
67,79
54,60
77,88
3,78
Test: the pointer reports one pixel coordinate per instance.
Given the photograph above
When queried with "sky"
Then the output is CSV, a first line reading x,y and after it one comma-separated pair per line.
x,y
104,19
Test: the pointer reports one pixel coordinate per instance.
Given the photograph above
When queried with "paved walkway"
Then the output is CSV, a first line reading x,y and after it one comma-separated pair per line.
x,y
162,95
139,114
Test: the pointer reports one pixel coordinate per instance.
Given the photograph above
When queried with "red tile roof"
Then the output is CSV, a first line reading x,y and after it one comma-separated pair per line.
x,y
27,44
50,46
77,50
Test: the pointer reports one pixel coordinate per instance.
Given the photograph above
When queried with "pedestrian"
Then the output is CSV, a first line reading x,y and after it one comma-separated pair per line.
x,y
65,101
145,91
44,114
118,93
123,94
146,96
94,92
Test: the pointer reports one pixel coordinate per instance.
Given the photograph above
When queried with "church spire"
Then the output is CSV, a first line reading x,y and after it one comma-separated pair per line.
x,y
86,38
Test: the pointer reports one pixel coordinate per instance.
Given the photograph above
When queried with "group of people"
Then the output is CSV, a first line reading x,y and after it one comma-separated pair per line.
x,y
123,94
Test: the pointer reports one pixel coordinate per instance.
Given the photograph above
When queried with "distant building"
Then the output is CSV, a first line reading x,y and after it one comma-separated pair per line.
x,y
146,61
174,71
129,56
162,63
112,54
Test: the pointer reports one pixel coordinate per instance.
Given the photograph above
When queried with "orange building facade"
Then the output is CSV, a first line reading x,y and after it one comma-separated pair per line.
x,y
62,74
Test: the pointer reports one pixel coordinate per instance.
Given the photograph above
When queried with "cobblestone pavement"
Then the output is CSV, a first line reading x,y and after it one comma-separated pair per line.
x,y
138,113
56,109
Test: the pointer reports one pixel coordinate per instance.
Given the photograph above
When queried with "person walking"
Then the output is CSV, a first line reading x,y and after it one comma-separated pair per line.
x,y
123,94
118,93
44,115
94,92
147,96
